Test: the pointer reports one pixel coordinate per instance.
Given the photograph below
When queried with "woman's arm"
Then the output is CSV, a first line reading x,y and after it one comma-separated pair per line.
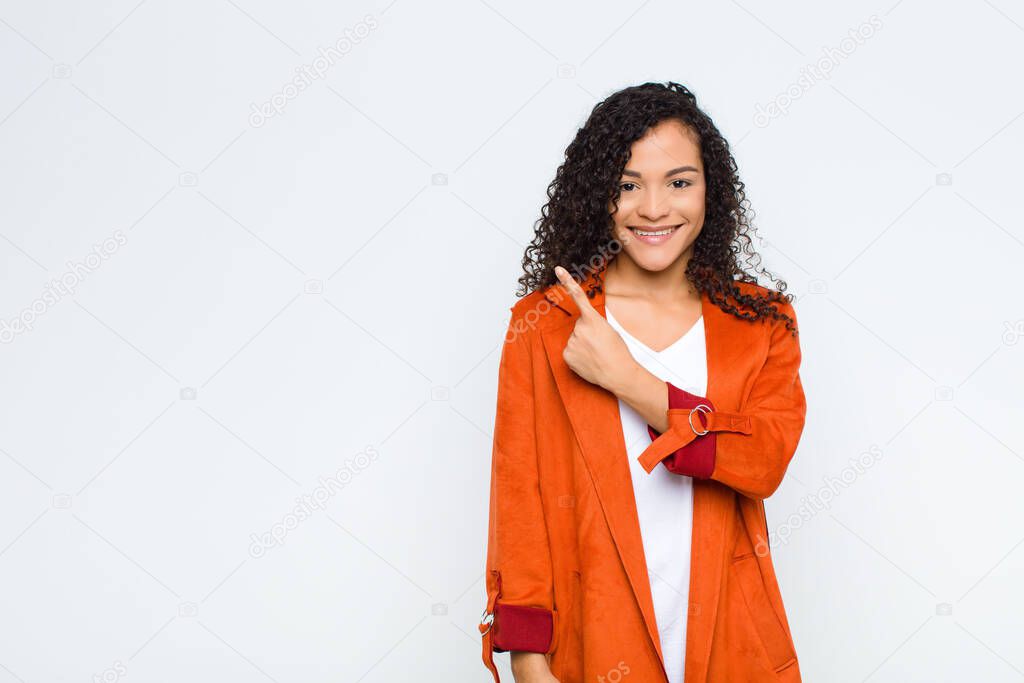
x,y
748,451
531,667
644,393
519,575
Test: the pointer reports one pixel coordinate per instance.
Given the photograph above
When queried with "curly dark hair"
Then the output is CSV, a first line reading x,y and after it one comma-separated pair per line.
x,y
576,225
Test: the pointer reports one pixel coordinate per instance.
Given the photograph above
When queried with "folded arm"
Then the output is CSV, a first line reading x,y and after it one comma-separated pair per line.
x,y
748,451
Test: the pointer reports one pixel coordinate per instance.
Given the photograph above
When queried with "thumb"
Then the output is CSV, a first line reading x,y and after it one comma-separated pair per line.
x,y
575,291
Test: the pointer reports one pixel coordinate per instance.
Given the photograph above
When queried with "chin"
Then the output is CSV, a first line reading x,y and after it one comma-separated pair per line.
x,y
655,262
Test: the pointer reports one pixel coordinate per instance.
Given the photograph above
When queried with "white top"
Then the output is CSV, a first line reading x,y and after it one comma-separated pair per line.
x,y
664,500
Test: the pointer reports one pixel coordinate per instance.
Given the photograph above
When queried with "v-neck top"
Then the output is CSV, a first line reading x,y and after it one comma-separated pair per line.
x,y
697,326
664,500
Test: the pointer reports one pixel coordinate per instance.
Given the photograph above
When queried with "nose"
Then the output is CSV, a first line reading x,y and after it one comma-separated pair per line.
x,y
653,205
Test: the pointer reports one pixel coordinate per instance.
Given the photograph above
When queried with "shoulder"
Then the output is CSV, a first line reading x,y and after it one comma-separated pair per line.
x,y
756,289
537,309
783,306
527,303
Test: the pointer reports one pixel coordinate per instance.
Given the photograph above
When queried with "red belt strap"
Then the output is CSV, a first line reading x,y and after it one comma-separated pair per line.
x,y
681,432
487,633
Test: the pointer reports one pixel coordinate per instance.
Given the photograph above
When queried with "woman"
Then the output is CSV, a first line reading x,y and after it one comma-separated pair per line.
x,y
643,416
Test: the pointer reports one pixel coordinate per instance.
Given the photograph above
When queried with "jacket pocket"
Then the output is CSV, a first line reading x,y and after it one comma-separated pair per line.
x,y
777,642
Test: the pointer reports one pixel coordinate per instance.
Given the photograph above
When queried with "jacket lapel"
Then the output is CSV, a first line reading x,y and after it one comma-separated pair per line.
x,y
594,414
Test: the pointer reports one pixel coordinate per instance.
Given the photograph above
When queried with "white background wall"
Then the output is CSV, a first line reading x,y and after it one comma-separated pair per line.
x,y
320,294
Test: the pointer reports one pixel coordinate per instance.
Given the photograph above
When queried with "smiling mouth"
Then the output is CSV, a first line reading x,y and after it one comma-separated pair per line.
x,y
653,234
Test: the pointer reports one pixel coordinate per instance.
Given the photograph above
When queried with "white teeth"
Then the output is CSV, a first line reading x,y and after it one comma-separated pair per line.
x,y
644,233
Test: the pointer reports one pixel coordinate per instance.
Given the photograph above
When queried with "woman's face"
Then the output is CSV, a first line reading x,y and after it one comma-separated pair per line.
x,y
661,197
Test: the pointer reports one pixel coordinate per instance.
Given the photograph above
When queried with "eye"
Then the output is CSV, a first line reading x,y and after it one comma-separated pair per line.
x,y
680,180
623,186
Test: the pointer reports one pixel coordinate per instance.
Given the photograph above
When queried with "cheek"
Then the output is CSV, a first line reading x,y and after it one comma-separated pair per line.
x,y
696,204
624,236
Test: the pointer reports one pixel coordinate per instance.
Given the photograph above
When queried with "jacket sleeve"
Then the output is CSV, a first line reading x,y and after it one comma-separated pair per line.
x,y
748,451
519,614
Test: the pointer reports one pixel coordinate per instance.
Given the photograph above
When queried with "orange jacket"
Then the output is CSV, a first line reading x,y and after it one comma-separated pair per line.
x,y
566,573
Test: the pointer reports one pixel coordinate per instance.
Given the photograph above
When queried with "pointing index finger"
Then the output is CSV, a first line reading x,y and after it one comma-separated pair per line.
x,y
575,291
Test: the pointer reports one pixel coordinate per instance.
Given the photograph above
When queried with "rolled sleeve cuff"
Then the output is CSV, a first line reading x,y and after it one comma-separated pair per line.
x,y
697,458
522,628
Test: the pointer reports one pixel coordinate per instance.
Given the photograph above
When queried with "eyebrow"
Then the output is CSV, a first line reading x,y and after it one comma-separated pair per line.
x,y
681,169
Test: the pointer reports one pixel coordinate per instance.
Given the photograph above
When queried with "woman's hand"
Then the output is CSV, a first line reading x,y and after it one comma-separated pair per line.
x,y
595,351
598,354
531,667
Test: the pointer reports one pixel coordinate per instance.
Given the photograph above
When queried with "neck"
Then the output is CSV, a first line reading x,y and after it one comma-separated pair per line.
x,y
625,278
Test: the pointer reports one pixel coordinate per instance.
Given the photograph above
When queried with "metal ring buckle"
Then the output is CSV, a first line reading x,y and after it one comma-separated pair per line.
x,y
486,618
706,409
